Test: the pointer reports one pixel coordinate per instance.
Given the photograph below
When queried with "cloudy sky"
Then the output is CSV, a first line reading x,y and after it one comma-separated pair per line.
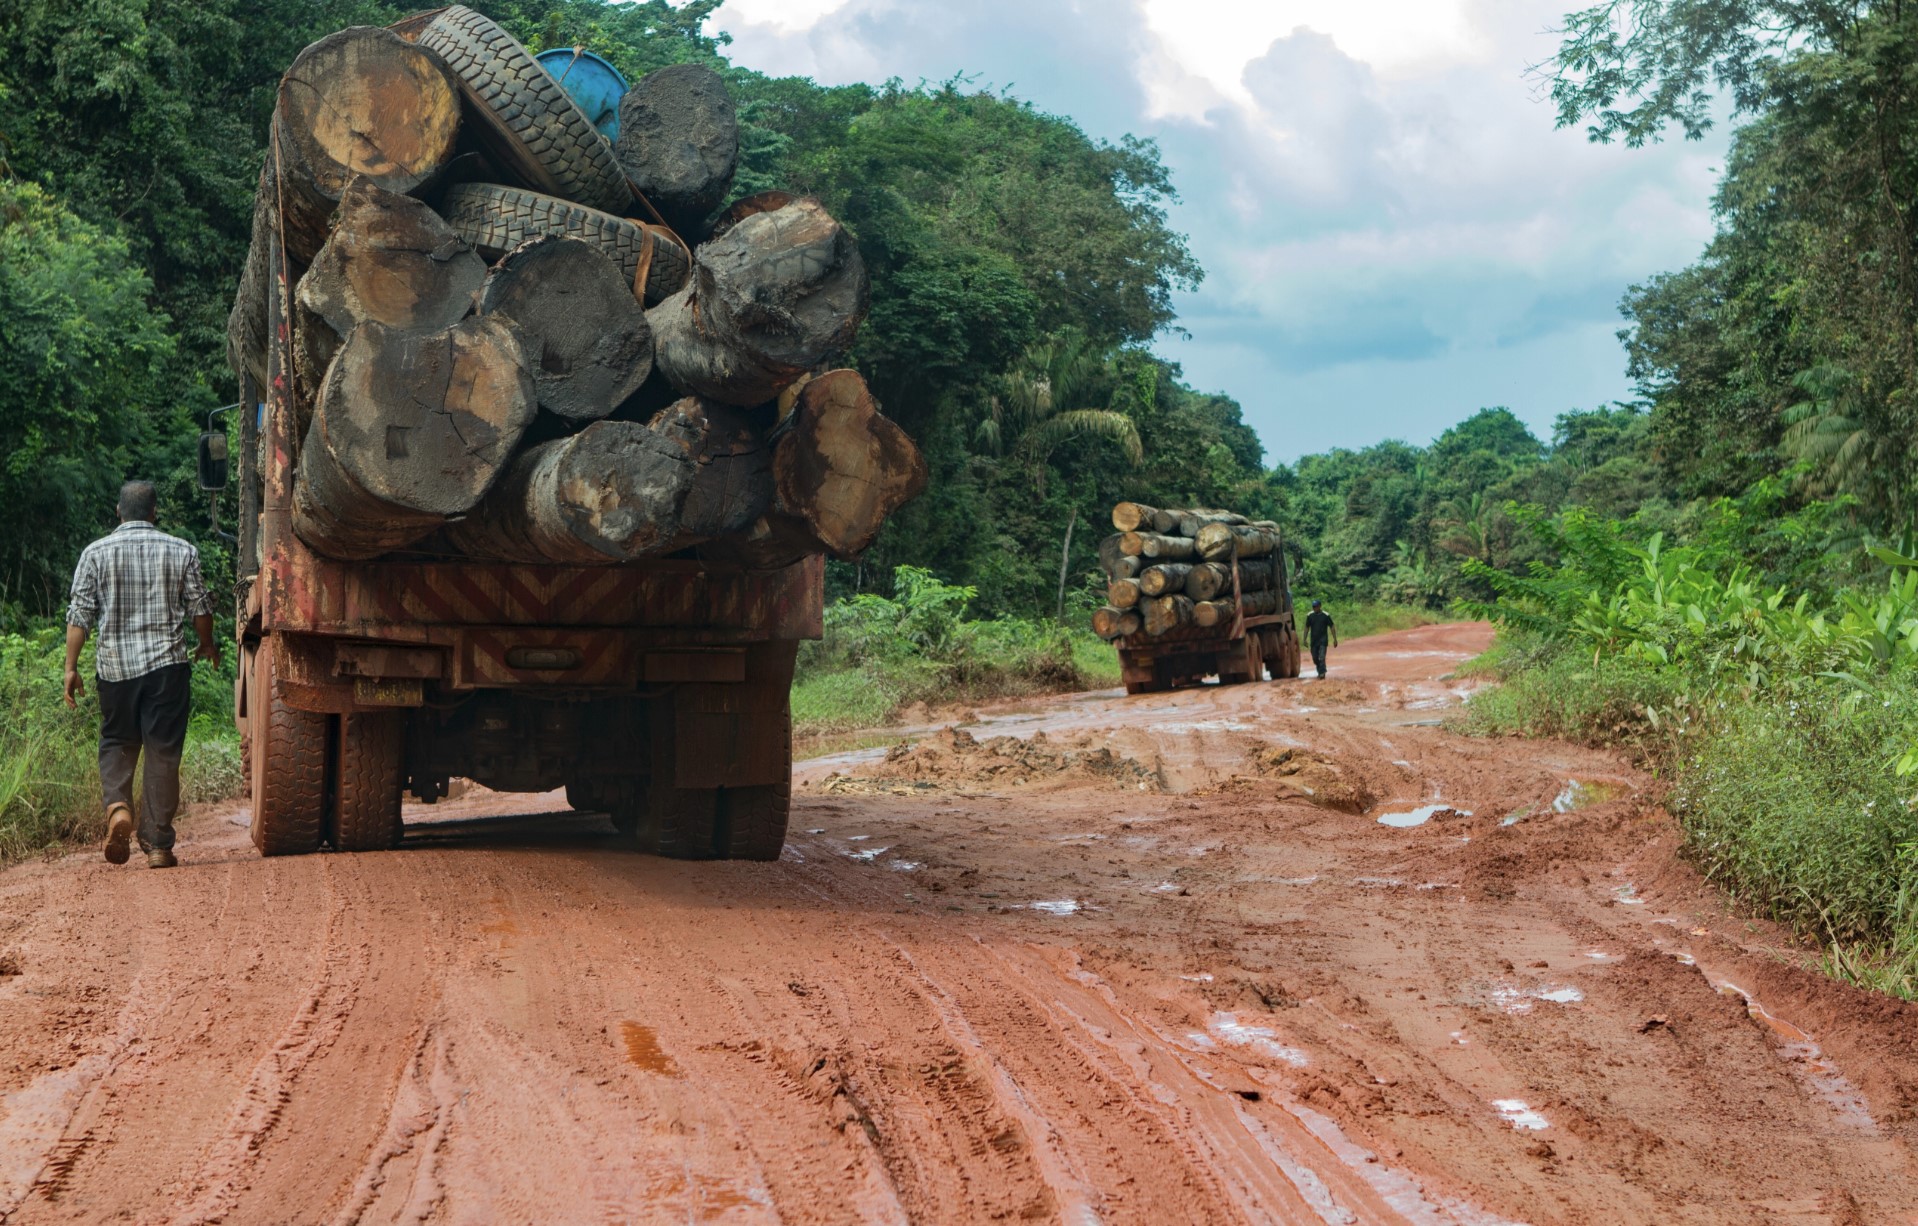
x,y
1394,235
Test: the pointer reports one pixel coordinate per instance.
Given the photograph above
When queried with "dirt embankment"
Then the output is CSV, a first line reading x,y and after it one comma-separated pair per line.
x,y
1272,953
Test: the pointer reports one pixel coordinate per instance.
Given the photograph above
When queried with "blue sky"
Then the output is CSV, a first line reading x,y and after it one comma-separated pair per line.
x,y
1393,232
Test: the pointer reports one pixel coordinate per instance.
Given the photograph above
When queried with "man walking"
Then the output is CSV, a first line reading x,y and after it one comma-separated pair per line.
x,y
134,587
1318,624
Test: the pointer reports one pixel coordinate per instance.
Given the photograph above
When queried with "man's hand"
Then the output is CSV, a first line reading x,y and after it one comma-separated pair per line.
x,y
209,649
76,639
74,688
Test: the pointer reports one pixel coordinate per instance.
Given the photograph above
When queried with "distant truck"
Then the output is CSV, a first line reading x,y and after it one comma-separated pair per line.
x,y
1196,593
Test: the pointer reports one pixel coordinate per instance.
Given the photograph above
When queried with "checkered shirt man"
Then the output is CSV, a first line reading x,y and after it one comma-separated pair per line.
x,y
148,584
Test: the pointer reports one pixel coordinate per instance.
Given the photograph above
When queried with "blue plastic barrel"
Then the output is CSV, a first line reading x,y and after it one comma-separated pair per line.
x,y
592,82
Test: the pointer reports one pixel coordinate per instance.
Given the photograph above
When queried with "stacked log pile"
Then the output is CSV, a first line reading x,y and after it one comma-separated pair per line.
x,y
509,339
1171,569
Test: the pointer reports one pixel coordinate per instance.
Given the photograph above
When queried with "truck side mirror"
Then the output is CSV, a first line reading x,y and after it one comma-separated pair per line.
x,y
212,461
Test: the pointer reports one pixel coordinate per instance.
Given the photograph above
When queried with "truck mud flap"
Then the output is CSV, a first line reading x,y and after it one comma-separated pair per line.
x,y
729,736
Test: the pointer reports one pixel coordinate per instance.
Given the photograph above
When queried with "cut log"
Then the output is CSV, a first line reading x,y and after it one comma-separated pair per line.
x,y
1191,521
732,483
776,296
362,101
411,428
585,332
1210,613
611,493
1212,580
739,210
1122,593
1126,568
842,467
1111,624
1165,578
389,260
679,141
1166,523
1221,542
1157,547
1133,516
1207,614
1164,613
773,542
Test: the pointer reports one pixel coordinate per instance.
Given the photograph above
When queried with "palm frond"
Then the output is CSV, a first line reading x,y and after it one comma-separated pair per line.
x,y
1103,424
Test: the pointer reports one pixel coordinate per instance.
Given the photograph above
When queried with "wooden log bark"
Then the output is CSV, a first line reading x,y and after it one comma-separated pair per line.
x,y
362,101
1122,593
389,260
679,141
246,323
778,295
1222,542
611,493
1165,522
586,334
842,467
1210,580
1191,521
1164,613
1211,613
1157,547
1133,516
1165,578
732,484
411,428
1126,568
1109,623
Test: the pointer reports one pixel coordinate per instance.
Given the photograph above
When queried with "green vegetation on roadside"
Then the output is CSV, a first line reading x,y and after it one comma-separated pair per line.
x,y
882,654
49,785
1779,704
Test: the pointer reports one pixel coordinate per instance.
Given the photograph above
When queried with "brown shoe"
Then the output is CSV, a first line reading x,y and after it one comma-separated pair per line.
x,y
119,833
160,857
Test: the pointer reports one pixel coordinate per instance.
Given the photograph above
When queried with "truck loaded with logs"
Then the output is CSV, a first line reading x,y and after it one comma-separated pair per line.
x,y
544,450
1195,593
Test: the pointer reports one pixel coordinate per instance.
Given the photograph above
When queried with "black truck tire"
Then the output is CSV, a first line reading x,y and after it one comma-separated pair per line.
x,y
528,120
497,219
289,766
369,777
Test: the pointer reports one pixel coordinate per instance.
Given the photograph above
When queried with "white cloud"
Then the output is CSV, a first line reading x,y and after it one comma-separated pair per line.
x,y
1394,232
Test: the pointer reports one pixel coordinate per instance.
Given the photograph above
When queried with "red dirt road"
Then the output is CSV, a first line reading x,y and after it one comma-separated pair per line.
x,y
1143,968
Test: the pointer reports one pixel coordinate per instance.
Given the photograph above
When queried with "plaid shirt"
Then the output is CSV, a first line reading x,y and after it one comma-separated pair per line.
x,y
136,586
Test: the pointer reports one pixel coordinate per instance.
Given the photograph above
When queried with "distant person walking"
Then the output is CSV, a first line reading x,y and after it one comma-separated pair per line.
x,y
134,587
1318,624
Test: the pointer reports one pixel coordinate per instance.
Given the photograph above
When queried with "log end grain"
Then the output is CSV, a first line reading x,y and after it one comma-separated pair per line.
x,y
588,340
843,467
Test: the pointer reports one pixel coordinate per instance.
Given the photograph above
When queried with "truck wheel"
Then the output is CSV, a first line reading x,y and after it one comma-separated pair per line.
x,y
1292,661
289,766
1272,652
369,779
685,821
752,820
622,802
497,219
525,116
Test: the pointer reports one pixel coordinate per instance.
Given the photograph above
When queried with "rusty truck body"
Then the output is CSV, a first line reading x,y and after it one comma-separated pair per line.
x,y
656,692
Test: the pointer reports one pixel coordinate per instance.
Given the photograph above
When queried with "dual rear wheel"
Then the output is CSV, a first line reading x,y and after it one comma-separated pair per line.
x,y
321,778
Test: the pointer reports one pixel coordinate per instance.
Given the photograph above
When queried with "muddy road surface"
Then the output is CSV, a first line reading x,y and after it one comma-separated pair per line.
x,y
1276,953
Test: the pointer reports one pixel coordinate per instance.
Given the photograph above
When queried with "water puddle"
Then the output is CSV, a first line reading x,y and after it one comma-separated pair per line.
x,y
1627,896
1521,1000
1201,977
1377,883
1058,906
1514,1112
1513,819
858,838
868,854
1809,1064
643,1050
1577,795
904,866
1262,1039
1420,815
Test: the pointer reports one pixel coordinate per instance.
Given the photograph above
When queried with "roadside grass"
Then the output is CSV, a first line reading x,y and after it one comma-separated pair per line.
x,y
881,655
49,780
1356,621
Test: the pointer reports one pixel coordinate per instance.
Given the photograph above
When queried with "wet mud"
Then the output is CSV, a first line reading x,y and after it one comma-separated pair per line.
x,y
991,979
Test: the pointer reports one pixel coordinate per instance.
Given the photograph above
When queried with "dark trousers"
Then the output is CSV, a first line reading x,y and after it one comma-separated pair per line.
x,y
1318,656
146,712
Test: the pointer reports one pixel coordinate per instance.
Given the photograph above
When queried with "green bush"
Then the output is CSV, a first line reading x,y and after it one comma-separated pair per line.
x,y
880,654
49,776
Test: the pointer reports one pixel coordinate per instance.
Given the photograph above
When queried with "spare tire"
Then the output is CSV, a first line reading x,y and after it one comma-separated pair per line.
x,y
497,219
526,119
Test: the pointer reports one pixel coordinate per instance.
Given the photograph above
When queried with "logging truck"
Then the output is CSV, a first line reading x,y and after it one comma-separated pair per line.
x,y
1193,594
656,692
532,491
